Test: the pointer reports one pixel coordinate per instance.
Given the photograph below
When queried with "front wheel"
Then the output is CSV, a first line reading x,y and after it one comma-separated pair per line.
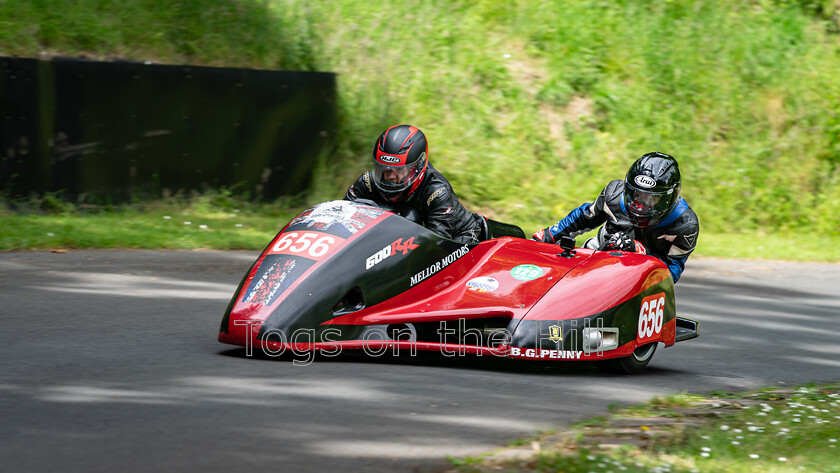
x,y
635,363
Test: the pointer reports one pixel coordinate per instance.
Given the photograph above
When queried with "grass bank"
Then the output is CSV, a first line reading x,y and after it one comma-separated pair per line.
x,y
531,107
774,430
219,220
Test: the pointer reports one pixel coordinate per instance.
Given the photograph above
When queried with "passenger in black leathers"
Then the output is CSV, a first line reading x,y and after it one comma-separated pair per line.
x,y
404,180
645,207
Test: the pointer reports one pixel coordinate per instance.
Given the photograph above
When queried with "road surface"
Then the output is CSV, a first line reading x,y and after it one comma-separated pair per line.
x,y
110,363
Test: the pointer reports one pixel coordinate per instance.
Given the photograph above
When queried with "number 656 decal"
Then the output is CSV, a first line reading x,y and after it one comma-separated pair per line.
x,y
651,315
309,244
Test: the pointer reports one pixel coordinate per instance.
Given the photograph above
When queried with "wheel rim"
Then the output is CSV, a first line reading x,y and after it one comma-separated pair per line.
x,y
644,352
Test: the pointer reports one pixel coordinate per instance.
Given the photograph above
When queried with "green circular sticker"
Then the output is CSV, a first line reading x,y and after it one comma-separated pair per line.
x,y
526,272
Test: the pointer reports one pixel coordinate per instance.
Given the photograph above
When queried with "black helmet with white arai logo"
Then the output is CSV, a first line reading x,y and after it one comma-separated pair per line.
x,y
399,162
651,189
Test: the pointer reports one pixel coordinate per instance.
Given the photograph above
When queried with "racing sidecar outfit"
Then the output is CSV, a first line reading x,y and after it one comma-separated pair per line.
x,y
436,203
672,240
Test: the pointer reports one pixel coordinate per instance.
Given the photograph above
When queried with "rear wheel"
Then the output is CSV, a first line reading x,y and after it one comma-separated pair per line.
x,y
635,363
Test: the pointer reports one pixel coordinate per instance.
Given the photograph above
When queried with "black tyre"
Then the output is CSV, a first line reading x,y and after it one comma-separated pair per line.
x,y
635,363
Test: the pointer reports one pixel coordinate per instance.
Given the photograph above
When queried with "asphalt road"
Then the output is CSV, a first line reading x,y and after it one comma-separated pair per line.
x,y
110,363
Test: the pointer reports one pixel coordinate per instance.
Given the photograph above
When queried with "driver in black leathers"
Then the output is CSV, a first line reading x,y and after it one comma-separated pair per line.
x,y
643,213
403,178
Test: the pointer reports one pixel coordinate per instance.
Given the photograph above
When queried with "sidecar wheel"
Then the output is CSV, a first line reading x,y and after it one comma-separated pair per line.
x,y
635,363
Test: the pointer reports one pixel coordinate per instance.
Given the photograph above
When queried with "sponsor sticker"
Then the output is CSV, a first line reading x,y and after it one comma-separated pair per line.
x,y
482,284
555,333
275,274
340,218
439,265
394,248
540,353
526,272
389,159
651,317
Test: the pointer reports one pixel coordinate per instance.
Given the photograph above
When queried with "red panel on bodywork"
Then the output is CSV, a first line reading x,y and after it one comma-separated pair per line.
x,y
446,296
609,281
600,282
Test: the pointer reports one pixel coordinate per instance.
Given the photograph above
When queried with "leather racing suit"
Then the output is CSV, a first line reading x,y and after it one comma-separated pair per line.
x,y
439,208
671,240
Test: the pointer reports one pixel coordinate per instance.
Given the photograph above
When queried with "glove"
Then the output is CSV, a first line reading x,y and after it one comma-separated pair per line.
x,y
619,241
541,236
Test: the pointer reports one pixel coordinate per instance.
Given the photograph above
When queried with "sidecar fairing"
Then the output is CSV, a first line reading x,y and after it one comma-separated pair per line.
x,y
344,275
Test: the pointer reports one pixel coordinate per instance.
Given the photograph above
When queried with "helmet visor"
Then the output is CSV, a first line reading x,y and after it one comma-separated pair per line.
x,y
647,205
391,178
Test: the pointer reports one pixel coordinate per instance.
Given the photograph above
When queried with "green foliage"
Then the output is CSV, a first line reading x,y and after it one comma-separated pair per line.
x,y
773,435
224,32
530,107
216,219
778,431
222,219
52,204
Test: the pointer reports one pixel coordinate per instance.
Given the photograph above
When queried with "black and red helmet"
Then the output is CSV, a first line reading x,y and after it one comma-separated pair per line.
x,y
651,189
399,162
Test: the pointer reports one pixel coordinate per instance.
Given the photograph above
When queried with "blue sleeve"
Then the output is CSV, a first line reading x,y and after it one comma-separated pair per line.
x,y
570,223
676,266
